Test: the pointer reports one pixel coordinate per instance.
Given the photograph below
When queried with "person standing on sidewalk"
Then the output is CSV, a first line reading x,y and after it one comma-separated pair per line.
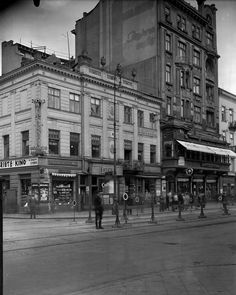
x,y
98,206
32,206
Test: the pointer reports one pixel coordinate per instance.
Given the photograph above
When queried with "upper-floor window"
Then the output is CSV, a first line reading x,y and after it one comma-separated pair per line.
x,y
209,19
196,32
223,113
140,151
231,115
25,143
127,150
196,57
182,78
168,73
197,114
152,154
140,118
231,138
210,118
127,114
54,98
54,141
182,51
23,99
74,144
167,14
168,42
209,39
152,120
4,106
74,103
168,106
181,23
95,107
6,146
196,85
96,146
224,135
182,106
209,92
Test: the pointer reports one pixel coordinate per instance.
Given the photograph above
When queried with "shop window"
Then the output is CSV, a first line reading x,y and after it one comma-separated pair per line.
x,y
127,114
25,189
74,144
152,154
95,107
54,142
6,146
74,103
140,152
140,118
54,98
96,146
62,192
127,150
25,143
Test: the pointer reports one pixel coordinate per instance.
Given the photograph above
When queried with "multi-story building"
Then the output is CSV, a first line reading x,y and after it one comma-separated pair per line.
x,y
171,47
57,133
227,107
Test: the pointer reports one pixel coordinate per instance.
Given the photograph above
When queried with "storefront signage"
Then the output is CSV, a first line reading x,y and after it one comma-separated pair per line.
x,y
24,162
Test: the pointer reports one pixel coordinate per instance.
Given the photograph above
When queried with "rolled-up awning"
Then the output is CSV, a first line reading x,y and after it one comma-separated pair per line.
x,y
64,174
207,149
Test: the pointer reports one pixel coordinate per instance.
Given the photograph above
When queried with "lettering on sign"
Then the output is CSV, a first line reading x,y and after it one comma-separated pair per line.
x,y
18,163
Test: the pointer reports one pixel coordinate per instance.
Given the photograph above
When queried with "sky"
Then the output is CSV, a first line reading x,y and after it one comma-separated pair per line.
x,y
50,24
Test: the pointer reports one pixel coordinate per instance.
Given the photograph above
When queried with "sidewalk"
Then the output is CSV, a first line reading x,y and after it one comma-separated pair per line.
x,y
137,215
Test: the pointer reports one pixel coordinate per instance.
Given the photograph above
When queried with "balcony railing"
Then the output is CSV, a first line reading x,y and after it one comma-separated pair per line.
x,y
232,126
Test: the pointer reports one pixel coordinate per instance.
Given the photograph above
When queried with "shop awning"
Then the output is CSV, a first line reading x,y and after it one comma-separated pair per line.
x,y
64,174
207,149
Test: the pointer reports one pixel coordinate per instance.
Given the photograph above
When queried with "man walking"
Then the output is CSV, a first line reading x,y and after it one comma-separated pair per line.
x,y
32,206
98,206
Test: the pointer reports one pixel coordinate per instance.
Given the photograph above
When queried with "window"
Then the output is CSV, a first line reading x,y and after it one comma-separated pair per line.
x,y
6,146
197,114
209,39
127,150
231,115
95,107
54,142
96,146
168,42
196,32
25,143
196,85
182,108
140,152
224,135
182,75
168,106
152,154
23,100
4,106
74,144
209,92
140,118
181,23
168,149
210,118
196,58
223,113
168,74
74,103
167,14
54,99
231,138
127,114
182,51
152,120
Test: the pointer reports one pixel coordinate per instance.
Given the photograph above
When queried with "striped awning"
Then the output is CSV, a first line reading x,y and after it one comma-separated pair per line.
x,y
64,174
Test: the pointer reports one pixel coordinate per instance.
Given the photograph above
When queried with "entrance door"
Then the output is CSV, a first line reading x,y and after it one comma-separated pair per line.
x,y
11,201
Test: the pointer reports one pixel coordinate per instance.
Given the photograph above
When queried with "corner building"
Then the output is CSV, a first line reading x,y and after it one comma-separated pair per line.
x,y
172,47
57,135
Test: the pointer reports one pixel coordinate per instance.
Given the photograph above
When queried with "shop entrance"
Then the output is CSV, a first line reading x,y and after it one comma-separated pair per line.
x,y
62,191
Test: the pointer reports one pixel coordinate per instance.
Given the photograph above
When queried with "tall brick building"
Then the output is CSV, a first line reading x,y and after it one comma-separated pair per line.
x,y
172,47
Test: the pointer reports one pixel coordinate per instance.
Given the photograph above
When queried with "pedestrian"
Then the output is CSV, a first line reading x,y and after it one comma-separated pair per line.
x,y
32,206
98,206
162,203
225,203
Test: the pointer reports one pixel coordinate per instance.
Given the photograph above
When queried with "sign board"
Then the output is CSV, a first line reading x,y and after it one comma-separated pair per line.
x,y
23,162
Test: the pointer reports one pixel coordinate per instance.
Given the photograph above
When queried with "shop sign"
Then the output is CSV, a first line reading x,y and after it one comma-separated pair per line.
x,y
24,162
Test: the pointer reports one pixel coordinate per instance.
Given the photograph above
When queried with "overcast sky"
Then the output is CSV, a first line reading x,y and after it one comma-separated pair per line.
x,y
49,24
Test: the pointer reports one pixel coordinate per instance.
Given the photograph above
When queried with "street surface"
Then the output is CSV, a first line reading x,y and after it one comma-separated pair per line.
x,y
62,257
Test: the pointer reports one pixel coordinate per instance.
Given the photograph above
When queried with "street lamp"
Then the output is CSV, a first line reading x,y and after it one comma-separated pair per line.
x,y
116,207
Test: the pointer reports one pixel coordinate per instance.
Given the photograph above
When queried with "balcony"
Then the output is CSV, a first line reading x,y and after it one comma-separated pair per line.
x,y
232,126
136,166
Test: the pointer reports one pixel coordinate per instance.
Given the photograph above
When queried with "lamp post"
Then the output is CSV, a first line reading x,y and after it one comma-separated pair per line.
x,y
116,207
